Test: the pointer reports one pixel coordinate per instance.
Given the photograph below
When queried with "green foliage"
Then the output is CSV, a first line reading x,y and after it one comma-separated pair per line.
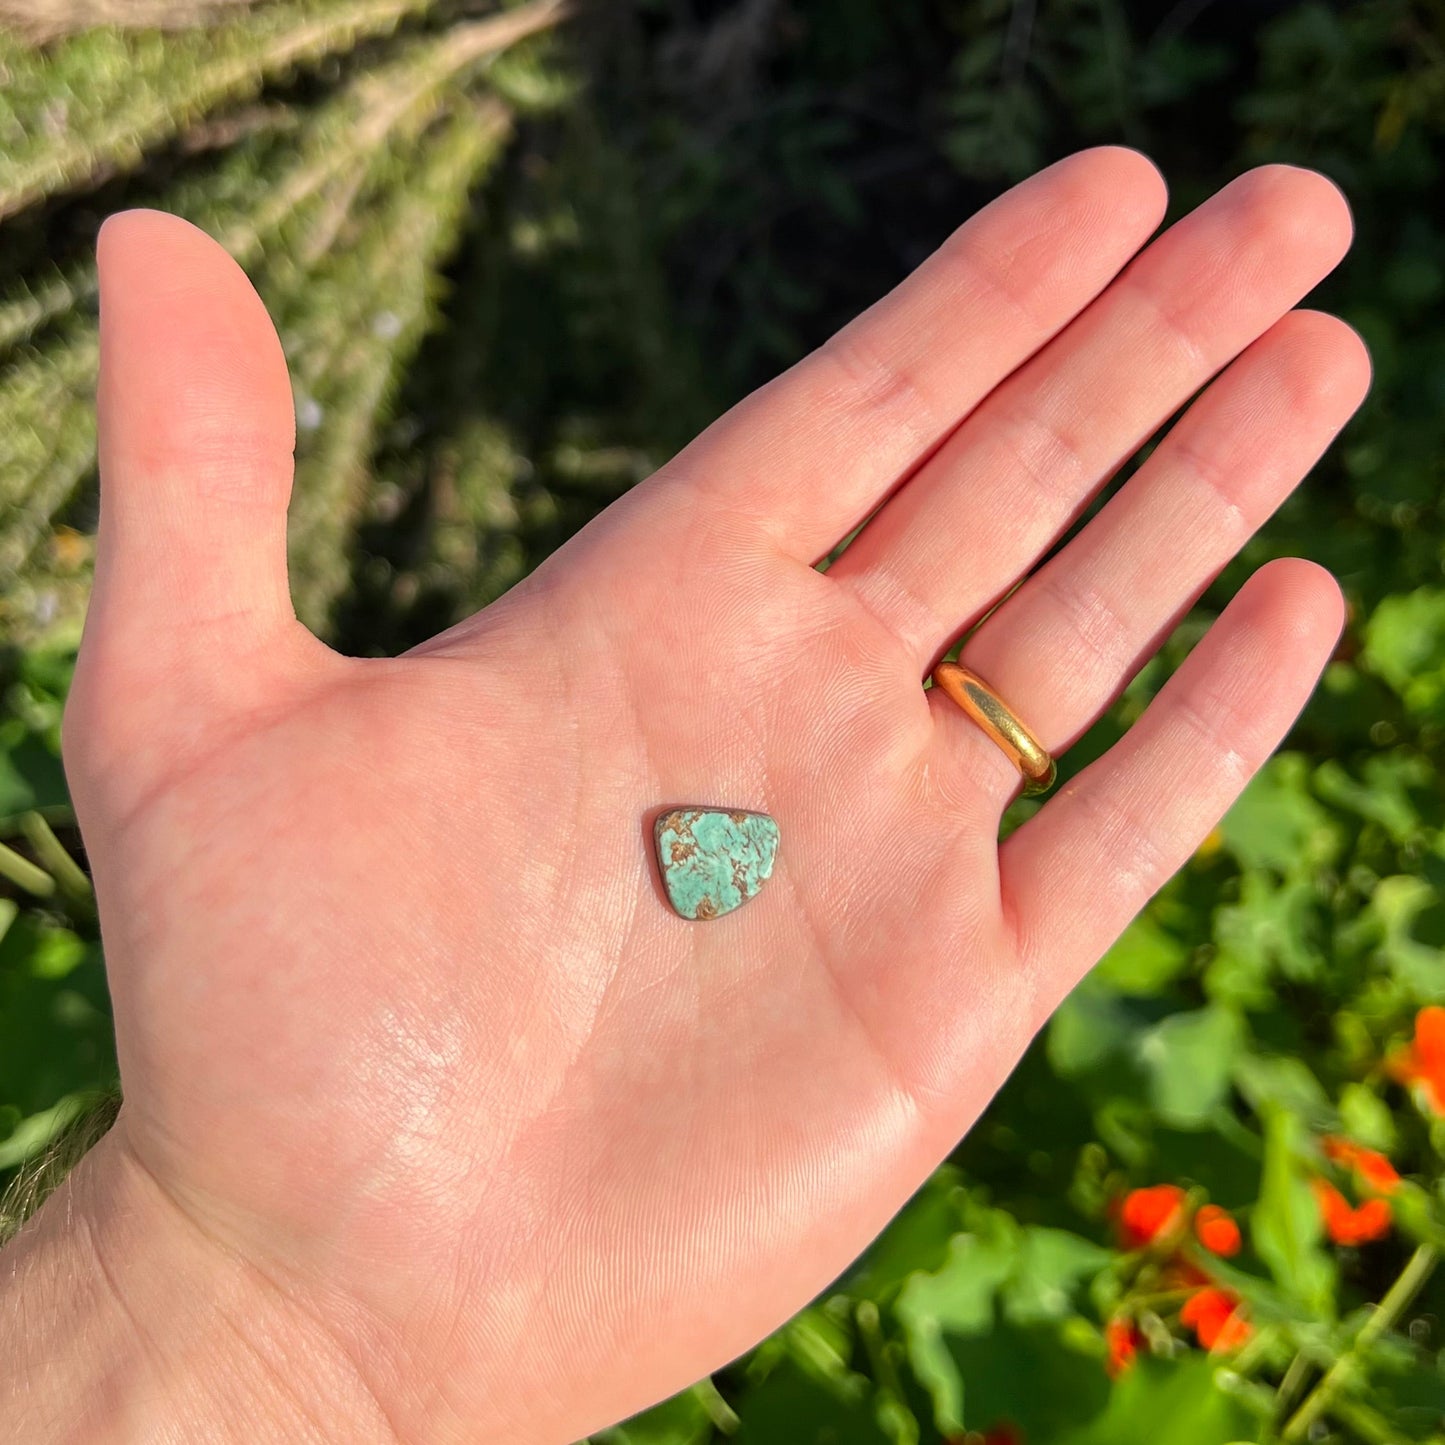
x,y
512,276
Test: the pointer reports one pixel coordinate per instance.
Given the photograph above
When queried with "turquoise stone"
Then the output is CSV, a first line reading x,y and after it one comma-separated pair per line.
x,y
714,859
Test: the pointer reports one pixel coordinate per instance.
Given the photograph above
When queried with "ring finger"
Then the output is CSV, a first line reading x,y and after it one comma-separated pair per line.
x,y
1062,646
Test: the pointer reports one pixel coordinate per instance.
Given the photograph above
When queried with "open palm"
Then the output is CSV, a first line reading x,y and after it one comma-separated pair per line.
x,y
406,1024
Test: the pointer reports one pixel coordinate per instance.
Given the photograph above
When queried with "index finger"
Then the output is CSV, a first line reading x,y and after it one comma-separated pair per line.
x,y
807,457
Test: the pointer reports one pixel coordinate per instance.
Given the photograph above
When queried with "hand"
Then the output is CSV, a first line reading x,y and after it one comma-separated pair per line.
x,y
408,1033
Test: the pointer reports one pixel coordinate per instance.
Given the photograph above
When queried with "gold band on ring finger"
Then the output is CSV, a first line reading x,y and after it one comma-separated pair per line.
x,y
995,717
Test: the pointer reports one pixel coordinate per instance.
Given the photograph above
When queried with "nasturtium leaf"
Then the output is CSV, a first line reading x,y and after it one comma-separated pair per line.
x,y
31,775
1273,932
1276,823
793,1407
956,1300
1146,958
56,1036
1268,1081
30,1135
917,1239
1387,792
1405,645
1223,1160
1173,1401
1189,1060
1399,904
1051,1268
1036,1379
1091,1027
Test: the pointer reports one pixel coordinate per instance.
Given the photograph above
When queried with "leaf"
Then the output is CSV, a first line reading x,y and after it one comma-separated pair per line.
x,y
917,1239
1091,1027
1273,931
28,1137
1145,959
30,773
1037,1379
1173,1401
1385,794
1269,1081
1189,1059
975,1361
1051,1266
1285,1224
1405,645
1277,824
55,1030
792,1407
1399,903
957,1300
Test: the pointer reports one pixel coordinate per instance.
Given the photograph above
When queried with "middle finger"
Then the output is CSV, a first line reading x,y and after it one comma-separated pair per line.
x,y
1013,477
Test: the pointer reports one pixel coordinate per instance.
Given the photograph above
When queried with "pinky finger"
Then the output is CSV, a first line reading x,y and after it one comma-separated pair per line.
x,y
1076,873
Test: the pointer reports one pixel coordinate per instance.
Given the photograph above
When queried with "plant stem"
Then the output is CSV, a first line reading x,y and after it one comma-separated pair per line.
x,y
1292,1384
885,1373
66,872
718,1410
24,874
1396,1301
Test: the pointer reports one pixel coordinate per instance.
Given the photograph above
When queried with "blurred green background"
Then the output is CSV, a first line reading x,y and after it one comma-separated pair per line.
x,y
517,257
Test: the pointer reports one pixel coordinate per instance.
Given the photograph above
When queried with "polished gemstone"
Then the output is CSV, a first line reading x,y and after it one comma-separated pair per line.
x,y
714,859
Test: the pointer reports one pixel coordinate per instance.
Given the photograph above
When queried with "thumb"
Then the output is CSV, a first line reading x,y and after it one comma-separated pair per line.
x,y
190,611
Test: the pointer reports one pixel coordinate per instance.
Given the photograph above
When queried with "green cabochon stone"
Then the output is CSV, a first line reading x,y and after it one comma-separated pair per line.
x,y
714,859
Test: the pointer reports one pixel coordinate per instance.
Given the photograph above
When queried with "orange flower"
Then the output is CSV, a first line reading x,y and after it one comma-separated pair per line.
x,y
1148,1213
1214,1316
1423,1060
1123,1338
1371,1220
1216,1230
1371,1168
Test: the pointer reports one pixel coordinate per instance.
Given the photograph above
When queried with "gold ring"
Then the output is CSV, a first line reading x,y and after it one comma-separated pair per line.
x,y
990,712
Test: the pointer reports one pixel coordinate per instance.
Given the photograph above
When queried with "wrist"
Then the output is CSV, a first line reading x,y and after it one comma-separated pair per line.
x,y
120,1320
